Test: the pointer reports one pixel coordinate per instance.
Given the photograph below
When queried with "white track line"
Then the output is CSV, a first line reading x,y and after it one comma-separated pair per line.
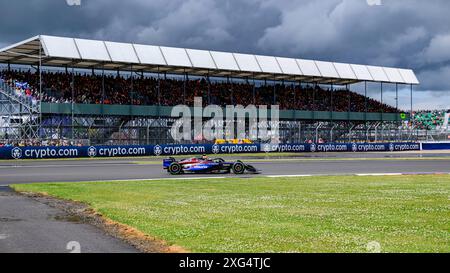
x,y
153,179
378,174
68,165
289,175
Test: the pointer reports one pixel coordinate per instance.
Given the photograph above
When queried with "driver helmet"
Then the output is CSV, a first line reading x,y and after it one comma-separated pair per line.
x,y
204,157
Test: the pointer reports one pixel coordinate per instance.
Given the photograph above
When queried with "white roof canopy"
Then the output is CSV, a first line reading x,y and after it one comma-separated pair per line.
x,y
83,53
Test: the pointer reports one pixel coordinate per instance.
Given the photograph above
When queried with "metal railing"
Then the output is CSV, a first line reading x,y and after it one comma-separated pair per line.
x,y
27,102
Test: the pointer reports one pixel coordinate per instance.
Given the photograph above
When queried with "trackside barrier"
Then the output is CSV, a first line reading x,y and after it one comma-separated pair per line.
x,y
167,150
436,146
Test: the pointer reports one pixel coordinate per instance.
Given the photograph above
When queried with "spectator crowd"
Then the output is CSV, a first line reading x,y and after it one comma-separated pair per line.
x,y
97,89
430,120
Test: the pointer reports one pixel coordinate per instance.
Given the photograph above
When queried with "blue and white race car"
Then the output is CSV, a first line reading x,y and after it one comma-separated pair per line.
x,y
205,165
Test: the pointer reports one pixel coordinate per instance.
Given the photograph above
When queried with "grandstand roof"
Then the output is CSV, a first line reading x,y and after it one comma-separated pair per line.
x,y
82,53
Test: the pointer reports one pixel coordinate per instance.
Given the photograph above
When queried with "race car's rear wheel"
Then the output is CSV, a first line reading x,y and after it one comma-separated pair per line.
x,y
175,168
238,168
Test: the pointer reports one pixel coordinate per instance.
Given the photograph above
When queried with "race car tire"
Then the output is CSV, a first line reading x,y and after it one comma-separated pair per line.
x,y
238,168
175,168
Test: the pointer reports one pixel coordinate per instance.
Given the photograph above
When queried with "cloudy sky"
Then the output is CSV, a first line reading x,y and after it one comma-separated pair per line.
x,y
402,33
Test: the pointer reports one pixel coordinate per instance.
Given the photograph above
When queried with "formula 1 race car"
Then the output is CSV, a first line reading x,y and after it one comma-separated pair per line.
x,y
206,166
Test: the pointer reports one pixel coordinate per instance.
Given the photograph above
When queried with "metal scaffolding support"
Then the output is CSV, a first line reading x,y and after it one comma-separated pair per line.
x,y
19,116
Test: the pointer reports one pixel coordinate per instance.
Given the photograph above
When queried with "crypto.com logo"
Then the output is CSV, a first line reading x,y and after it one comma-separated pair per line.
x,y
92,151
16,153
73,2
374,2
157,150
215,149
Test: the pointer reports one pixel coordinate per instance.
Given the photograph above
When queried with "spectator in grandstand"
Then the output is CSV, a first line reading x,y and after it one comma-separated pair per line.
x,y
97,89
429,120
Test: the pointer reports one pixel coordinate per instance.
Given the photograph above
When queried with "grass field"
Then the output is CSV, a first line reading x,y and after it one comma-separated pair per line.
x,y
309,214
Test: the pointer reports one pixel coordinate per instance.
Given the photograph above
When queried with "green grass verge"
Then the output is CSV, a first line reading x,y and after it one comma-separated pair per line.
x,y
310,214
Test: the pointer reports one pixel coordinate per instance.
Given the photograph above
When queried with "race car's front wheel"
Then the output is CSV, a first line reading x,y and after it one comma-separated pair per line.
x,y
175,168
238,168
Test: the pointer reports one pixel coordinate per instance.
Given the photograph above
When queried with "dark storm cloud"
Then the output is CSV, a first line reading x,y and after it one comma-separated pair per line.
x,y
223,25
403,33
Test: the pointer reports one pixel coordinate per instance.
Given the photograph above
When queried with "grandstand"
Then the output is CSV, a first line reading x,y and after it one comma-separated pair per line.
x,y
60,91
432,120
432,125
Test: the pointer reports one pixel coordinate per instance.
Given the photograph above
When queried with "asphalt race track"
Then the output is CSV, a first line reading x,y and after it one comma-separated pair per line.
x,y
28,226
13,172
20,215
